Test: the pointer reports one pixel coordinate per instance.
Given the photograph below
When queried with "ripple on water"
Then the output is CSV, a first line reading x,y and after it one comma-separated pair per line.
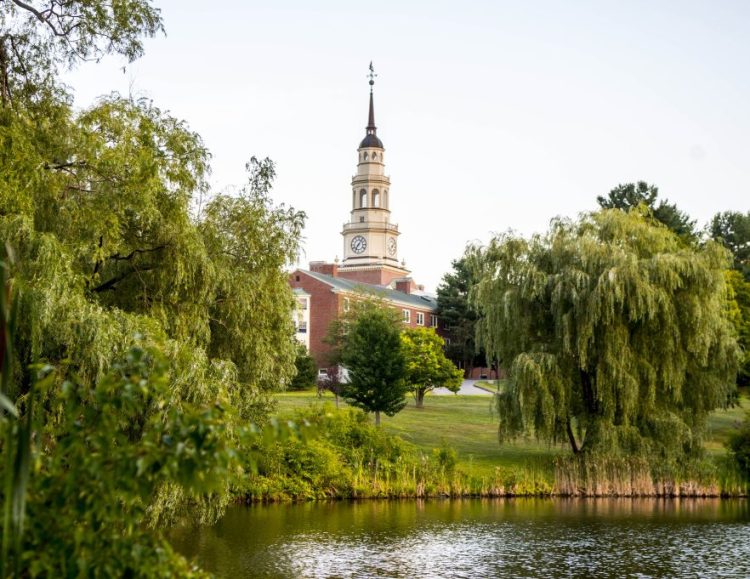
x,y
472,539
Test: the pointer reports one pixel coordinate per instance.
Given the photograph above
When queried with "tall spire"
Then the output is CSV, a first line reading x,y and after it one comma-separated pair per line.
x,y
371,137
371,119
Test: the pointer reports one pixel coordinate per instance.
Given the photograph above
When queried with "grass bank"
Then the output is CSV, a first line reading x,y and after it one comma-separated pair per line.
x,y
450,448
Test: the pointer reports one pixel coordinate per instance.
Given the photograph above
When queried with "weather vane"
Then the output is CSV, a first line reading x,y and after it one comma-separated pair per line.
x,y
372,74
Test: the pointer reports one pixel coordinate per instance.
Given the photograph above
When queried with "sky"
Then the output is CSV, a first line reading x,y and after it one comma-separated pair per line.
x,y
494,115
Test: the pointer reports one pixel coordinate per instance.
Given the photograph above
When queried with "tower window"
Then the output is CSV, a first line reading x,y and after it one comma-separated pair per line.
x,y
361,219
375,198
363,198
365,156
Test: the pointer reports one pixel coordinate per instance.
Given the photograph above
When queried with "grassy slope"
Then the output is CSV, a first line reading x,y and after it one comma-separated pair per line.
x,y
467,424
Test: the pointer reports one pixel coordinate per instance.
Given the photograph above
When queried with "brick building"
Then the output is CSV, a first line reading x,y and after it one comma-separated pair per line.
x,y
371,263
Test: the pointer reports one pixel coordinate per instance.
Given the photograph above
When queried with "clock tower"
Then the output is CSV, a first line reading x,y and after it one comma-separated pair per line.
x,y
370,239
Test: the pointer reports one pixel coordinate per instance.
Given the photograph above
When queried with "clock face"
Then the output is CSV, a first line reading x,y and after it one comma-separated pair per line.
x,y
359,244
391,246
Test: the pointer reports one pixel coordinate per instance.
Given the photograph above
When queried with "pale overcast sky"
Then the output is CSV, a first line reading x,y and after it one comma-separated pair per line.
x,y
494,115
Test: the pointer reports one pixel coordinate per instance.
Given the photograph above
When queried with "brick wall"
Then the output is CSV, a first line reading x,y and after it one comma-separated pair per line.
x,y
373,276
324,307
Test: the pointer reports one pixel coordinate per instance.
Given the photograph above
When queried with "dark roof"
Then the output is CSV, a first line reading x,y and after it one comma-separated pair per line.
x,y
391,295
371,140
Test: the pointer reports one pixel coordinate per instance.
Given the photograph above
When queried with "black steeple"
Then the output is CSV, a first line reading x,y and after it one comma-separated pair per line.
x,y
371,138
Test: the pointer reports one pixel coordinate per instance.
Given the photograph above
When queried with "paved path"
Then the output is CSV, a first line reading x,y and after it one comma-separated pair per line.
x,y
467,387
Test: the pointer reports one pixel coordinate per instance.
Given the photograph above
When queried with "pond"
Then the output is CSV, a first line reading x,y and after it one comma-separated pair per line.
x,y
478,538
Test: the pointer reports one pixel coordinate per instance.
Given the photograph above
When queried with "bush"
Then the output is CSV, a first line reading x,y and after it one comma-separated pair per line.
x,y
307,370
739,446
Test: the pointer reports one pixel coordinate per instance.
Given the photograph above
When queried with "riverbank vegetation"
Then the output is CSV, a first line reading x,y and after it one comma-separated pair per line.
x,y
450,448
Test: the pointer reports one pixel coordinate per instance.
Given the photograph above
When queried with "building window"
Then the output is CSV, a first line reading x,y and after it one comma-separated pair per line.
x,y
363,198
301,327
296,277
302,303
361,219
407,316
375,198
420,319
447,341
346,304
433,321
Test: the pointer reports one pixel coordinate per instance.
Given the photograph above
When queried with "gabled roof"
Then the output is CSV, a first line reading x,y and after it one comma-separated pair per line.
x,y
350,286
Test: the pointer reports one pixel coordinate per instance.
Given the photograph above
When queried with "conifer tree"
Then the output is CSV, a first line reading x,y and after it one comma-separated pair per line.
x,y
372,354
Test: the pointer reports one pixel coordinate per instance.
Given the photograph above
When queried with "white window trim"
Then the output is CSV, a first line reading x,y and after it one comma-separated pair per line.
x,y
433,321
420,318
406,316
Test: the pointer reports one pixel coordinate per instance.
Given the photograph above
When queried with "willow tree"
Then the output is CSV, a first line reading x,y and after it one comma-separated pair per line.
x,y
614,332
107,250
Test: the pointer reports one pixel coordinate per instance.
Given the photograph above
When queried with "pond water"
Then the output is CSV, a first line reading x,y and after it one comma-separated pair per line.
x,y
478,538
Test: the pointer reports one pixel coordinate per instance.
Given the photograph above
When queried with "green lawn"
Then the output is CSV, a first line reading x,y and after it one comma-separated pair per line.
x,y
468,424
722,422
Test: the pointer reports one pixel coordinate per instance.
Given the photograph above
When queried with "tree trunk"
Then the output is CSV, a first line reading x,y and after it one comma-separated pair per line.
x,y
571,437
337,400
420,397
377,418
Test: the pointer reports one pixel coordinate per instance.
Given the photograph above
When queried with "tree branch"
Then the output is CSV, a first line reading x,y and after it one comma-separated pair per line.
x,y
40,16
111,283
132,254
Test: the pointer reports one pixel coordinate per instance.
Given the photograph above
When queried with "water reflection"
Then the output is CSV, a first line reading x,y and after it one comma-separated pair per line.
x,y
478,538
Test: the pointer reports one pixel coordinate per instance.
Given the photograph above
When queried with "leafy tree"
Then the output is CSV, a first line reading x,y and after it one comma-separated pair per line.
x,y
732,229
38,37
373,356
307,370
458,316
108,459
97,208
615,331
632,195
426,365
331,382
739,313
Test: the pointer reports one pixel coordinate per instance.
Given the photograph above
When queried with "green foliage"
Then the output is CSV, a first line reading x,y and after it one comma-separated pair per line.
x,y
457,315
632,195
350,458
738,301
372,354
739,446
109,241
116,243
307,370
96,467
615,333
427,367
732,229
40,37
